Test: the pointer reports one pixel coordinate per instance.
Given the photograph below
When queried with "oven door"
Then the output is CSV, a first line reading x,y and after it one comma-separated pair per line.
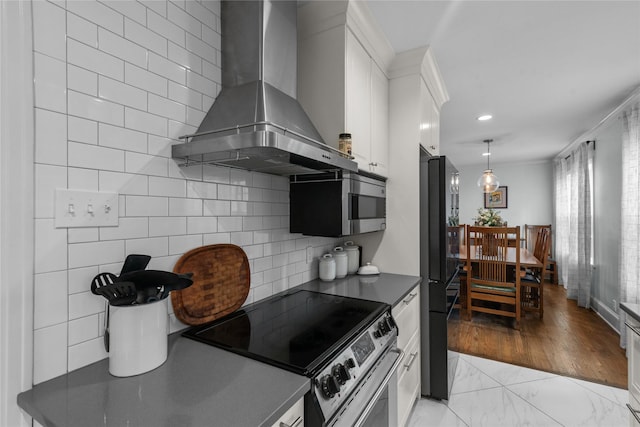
x,y
373,403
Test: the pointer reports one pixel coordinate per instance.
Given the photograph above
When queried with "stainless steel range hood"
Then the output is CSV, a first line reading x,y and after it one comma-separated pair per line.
x,y
256,123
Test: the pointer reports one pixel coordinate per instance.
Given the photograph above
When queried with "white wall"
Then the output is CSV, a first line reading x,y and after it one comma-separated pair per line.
x,y
530,192
116,83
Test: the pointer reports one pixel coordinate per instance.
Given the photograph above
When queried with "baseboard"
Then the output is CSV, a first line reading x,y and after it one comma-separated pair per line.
x,y
610,317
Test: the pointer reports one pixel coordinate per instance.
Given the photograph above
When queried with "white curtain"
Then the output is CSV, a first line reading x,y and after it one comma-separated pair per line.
x,y
630,210
573,215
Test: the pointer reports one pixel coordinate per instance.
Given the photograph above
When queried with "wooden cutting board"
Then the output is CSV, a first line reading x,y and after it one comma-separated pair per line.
x,y
221,280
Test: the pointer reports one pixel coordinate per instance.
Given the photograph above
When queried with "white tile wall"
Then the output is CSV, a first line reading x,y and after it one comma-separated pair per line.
x,y
117,81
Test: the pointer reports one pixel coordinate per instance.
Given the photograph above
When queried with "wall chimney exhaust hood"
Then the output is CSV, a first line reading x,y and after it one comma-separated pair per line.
x,y
256,123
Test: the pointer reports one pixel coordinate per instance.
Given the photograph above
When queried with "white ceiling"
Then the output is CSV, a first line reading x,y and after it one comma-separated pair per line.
x,y
548,71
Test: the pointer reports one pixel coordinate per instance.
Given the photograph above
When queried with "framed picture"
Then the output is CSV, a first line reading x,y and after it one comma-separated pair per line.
x,y
497,199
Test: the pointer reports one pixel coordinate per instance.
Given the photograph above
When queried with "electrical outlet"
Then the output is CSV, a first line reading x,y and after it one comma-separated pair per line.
x,y
79,208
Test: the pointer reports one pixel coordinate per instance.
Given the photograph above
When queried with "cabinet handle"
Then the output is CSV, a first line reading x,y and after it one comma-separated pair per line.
x,y
296,423
373,164
633,328
634,412
412,359
408,300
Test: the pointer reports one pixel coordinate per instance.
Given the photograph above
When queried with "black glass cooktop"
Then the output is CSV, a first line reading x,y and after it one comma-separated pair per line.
x,y
297,331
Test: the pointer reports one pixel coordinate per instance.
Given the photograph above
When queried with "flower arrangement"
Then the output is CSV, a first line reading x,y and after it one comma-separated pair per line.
x,y
488,217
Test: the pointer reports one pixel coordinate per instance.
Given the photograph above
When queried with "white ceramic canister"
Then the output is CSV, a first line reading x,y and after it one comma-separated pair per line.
x,y
353,257
327,268
138,338
340,256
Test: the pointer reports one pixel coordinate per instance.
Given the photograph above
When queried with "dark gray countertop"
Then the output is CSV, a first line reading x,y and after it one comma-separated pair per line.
x,y
198,384
631,309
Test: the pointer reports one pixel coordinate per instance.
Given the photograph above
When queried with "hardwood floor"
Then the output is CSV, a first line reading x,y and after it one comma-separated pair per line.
x,y
569,340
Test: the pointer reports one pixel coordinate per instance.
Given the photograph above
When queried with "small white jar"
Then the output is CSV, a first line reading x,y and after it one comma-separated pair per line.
x,y
353,257
327,268
341,261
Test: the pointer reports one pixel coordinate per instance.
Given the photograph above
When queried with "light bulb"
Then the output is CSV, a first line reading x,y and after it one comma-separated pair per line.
x,y
488,181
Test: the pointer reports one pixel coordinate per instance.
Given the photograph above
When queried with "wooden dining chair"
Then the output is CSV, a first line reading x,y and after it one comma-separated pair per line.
x,y
530,235
493,279
532,284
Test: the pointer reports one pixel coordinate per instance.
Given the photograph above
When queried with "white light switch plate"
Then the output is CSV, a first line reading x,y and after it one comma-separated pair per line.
x,y
78,208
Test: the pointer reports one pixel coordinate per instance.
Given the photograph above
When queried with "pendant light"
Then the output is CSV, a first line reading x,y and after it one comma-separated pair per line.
x,y
488,182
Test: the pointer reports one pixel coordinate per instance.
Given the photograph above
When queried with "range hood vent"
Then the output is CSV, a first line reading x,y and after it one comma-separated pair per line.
x,y
256,123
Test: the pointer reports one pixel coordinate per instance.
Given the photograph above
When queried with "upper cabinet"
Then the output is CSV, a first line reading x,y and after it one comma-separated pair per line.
x,y
342,79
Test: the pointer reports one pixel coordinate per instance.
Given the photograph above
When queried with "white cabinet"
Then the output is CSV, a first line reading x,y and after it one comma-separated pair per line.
x,y
407,317
633,363
429,121
294,417
342,82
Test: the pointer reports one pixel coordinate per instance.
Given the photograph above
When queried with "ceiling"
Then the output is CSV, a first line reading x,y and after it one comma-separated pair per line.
x,y
548,71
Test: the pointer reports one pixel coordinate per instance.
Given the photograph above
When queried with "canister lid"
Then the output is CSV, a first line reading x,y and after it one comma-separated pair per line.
x,y
338,251
345,135
350,246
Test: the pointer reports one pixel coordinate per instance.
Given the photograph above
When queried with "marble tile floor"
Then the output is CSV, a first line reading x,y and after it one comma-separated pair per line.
x,y
490,393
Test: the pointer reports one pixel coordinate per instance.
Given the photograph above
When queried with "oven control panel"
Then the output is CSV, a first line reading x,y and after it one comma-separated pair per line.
x,y
334,384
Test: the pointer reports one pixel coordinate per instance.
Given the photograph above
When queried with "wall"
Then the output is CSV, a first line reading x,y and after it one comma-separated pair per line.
x,y
116,83
530,192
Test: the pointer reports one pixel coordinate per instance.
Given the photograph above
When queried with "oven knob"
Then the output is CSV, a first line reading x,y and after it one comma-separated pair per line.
x,y
341,373
329,386
383,327
350,363
377,334
390,323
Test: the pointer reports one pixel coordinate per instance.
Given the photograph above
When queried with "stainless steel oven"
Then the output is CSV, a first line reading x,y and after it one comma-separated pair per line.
x,y
337,204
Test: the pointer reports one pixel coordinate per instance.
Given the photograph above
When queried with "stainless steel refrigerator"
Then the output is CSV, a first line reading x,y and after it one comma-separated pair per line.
x,y
439,263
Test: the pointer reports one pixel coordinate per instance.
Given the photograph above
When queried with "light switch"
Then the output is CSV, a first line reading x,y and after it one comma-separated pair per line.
x,y
79,208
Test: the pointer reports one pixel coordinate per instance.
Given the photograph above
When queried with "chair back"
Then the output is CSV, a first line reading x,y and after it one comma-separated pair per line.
x,y
490,259
531,238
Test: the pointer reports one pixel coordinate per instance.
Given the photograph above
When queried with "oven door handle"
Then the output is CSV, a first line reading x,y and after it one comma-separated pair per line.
x,y
381,389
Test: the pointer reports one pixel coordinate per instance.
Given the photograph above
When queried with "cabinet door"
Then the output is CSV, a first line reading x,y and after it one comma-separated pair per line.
x,y
379,121
358,100
408,381
294,417
633,342
428,121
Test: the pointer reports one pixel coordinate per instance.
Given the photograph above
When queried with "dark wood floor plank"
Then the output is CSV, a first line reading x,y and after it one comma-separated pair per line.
x,y
569,340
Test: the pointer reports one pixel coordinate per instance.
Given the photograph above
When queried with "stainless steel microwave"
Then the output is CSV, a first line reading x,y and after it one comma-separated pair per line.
x,y
337,204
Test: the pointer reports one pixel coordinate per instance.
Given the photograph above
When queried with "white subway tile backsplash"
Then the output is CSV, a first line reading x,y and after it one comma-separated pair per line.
x,y
181,244
50,83
252,251
146,206
80,279
169,187
177,53
166,68
83,179
51,137
84,329
167,226
183,19
172,32
186,96
92,59
122,93
215,238
211,71
82,30
130,9
49,29
261,208
128,228
123,183
86,352
82,235
229,224
121,138
273,248
85,304
217,208
122,47
143,79
47,179
201,190
202,225
146,164
262,264
159,7
200,48
50,299
49,352
166,108
185,207
98,14
201,84
240,238
95,157
178,129
240,208
146,38
216,174
82,130
50,246
97,109
154,247
201,13
145,122
252,223
195,116
81,80
95,253
160,146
